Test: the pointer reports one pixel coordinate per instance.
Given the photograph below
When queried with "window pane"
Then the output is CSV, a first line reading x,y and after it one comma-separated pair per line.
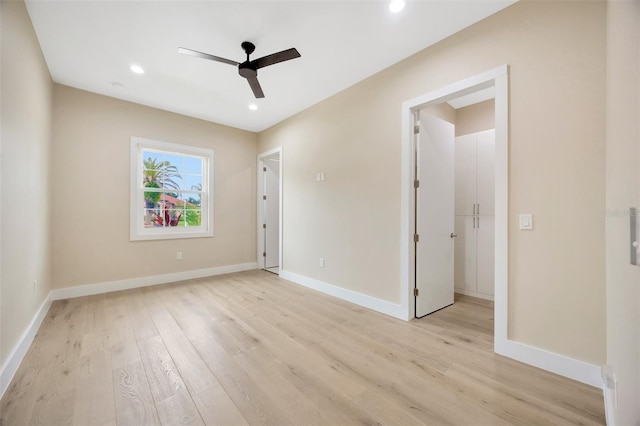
x,y
149,218
162,170
193,182
150,172
193,217
151,199
192,201
193,165
176,160
168,211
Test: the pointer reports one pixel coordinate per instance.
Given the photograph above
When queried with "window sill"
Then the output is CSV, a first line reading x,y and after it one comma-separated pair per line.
x,y
169,234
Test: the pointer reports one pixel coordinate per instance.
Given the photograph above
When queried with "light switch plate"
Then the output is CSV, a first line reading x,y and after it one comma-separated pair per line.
x,y
526,221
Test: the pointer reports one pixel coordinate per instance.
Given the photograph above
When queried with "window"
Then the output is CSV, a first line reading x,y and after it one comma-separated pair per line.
x,y
171,190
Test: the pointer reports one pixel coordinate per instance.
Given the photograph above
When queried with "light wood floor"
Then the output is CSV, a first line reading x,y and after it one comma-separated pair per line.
x,y
250,348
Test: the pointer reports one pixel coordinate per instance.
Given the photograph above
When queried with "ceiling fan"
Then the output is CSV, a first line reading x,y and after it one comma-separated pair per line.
x,y
249,69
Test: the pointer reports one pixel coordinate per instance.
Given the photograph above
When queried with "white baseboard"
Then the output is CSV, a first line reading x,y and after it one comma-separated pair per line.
x,y
106,287
473,293
15,358
20,350
568,367
379,305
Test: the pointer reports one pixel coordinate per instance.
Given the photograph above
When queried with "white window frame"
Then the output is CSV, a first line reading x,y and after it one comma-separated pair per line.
x,y
137,229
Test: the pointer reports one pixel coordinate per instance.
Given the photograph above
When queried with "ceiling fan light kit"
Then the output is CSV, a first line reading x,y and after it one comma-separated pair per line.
x,y
248,69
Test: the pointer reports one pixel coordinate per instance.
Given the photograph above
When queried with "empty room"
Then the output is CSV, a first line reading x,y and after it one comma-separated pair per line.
x,y
389,212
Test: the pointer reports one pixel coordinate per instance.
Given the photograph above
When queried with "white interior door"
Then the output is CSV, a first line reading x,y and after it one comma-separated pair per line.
x,y
271,212
434,215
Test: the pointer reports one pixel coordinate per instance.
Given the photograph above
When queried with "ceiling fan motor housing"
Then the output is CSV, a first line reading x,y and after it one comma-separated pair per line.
x,y
246,70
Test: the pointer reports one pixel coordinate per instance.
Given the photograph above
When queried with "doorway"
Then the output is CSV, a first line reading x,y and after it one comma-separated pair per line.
x,y
498,79
269,210
454,201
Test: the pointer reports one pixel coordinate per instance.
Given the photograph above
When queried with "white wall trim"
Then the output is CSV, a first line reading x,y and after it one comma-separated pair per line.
x,y
550,361
20,350
379,305
106,287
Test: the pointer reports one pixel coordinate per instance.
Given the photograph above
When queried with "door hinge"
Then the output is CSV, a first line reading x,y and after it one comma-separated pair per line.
x,y
416,292
264,225
416,238
264,169
264,254
416,129
416,183
264,197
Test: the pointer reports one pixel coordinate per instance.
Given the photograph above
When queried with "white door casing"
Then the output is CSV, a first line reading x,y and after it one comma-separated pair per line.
x,y
434,214
497,77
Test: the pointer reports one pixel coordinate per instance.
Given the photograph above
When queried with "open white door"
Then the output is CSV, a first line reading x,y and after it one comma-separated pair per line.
x,y
271,212
435,144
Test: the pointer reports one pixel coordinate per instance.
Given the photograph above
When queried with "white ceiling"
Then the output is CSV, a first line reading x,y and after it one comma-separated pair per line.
x,y
91,45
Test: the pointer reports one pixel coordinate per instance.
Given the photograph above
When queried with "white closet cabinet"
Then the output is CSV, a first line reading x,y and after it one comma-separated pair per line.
x,y
474,214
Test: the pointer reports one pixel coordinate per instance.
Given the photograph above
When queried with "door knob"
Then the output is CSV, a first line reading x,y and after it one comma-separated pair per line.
x,y
453,235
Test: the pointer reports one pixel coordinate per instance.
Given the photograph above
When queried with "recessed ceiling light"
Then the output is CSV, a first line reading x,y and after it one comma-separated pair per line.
x,y
137,69
396,6
253,107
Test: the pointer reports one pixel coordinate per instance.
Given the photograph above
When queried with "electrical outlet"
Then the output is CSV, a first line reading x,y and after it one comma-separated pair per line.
x,y
178,255
322,262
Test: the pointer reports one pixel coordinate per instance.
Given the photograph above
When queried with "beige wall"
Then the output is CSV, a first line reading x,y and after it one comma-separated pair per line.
x,y
26,89
443,111
90,187
475,118
623,191
556,54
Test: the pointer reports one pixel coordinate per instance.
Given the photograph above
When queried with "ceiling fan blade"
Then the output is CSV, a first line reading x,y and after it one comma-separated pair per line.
x,y
274,58
206,56
255,86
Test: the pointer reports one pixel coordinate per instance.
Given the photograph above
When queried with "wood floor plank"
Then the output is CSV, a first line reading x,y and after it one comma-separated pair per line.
x,y
164,379
120,338
216,408
133,400
254,403
139,315
179,409
251,348
94,403
193,370
19,399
